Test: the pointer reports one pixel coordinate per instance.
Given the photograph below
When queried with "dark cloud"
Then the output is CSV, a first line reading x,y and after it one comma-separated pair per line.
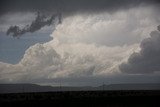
x,y
65,7
37,24
148,59
69,6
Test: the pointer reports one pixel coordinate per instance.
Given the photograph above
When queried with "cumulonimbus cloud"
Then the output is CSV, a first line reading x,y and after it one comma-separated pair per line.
x,y
39,22
69,54
148,59
76,50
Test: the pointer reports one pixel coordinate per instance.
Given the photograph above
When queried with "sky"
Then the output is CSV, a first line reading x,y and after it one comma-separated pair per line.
x,y
79,42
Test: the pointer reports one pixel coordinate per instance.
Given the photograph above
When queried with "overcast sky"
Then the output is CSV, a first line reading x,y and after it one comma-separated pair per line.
x,y
79,42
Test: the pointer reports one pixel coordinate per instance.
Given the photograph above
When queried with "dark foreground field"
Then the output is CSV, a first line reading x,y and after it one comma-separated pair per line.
x,y
138,98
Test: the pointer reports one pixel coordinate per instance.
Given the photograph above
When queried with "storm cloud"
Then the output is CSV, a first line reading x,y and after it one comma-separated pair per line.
x,y
37,24
95,38
147,60
69,54
65,8
70,6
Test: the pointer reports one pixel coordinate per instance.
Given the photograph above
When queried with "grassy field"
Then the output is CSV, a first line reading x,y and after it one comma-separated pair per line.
x,y
129,98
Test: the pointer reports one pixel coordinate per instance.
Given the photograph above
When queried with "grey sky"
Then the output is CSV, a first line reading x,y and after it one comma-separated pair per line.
x,y
70,6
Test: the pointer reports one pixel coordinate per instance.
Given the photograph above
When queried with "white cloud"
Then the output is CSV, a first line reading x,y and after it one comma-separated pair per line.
x,y
122,27
50,60
83,46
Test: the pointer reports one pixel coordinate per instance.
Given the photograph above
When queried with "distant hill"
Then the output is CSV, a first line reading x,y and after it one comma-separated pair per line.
x,y
21,88
132,86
